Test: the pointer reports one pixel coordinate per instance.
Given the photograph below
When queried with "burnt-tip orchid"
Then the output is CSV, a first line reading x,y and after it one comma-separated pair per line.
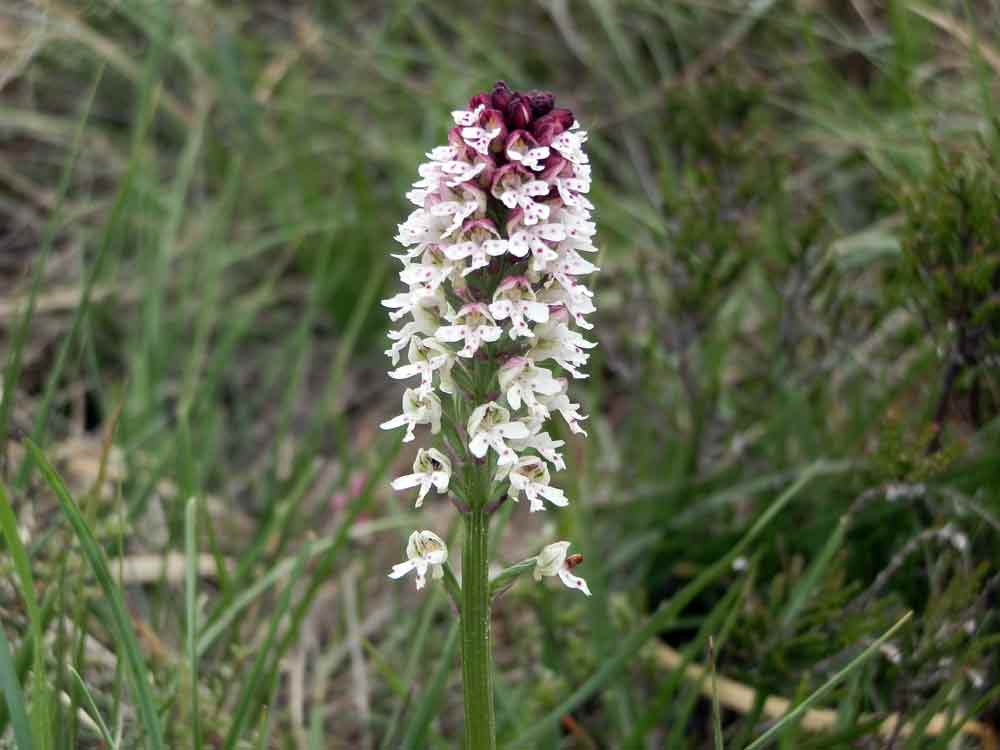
x,y
494,267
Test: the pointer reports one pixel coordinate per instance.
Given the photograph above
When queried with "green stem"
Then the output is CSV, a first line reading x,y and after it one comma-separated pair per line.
x,y
477,657
506,577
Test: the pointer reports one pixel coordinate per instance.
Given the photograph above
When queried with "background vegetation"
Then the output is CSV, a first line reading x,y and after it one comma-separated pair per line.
x,y
799,207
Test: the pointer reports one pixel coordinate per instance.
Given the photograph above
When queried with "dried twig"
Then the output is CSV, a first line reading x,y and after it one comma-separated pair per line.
x,y
743,698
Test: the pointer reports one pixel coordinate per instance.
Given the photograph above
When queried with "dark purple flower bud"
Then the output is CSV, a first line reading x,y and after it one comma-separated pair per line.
x,y
519,112
478,99
542,103
501,96
549,126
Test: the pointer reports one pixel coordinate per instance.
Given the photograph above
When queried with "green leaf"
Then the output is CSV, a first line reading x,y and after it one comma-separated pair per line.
x,y
93,711
41,721
430,701
137,670
191,608
666,613
793,715
12,694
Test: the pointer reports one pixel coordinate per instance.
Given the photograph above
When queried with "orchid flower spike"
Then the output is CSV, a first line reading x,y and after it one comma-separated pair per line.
x,y
425,550
553,561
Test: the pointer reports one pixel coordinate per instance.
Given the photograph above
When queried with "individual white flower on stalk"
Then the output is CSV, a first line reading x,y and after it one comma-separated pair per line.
x,y
489,426
557,341
425,277
570,412
579,227
516,187
572,181
451,172
427,356
534,239
541,442
425,551
554,561
569,144
530,475
479,241
418,408
522,147
480,128
457,204
421,230
467,117
577,302
473,324
428,315
520,380
515,299
430,468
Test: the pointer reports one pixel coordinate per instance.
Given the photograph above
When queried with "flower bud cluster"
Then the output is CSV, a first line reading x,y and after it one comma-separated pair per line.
x,y
494,263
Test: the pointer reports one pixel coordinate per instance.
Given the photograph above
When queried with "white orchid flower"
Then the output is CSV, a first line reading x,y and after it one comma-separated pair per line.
x,y
554,561
520,379
425,551
418,408
530,475
473,324
430,468
488,427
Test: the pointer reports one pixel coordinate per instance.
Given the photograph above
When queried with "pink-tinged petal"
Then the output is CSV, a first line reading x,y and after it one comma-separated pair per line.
x,y
401,569
406,371
450,334
500,309
395,422
536,311
441,480
495,247
407,481
489,333
535,212
514,396
425,485
519,244
479,445
514,430
421,566
554,495
459,250
551,232
536,187
574,582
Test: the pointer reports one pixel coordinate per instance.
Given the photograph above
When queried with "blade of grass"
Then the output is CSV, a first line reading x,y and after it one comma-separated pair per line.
x,y
416,728
826,687
666,613
41,722
191,606
716,711
92,710
137,669
13,696
815,573
417,640
253,682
